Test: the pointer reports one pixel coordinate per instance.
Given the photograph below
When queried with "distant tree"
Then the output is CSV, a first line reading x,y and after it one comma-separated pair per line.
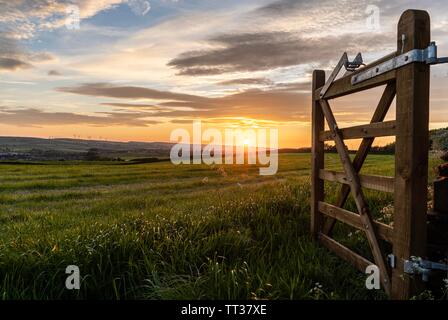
x,y
93,154
330,148
387,149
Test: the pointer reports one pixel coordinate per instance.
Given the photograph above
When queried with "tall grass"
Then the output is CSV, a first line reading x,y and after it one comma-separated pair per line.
x,y
155,231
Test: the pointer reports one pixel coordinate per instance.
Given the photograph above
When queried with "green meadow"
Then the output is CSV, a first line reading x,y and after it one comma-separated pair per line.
x,y
159,231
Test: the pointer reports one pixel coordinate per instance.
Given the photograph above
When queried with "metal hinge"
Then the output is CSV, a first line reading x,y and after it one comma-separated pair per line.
x,y
416,265
428,56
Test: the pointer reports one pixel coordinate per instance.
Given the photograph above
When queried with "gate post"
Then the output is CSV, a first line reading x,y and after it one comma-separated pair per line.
x,y
411,154
317,162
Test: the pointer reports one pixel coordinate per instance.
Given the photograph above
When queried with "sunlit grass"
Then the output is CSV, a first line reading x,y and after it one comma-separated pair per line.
x,y
156,231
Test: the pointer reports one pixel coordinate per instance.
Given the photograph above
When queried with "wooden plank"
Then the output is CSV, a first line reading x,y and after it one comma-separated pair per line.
x,y
372,130
385,232
361,155
358,195
345,253
334,74
343,86
411,159
317,189
378,183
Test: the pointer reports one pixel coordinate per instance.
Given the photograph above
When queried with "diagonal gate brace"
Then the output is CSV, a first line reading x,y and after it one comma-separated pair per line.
x,y
355,186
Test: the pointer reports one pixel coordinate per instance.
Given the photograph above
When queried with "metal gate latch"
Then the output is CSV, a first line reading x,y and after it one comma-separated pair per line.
x,y
416,265
428,56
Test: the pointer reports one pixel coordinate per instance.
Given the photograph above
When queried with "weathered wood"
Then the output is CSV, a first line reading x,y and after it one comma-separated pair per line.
x,y
334,74
345,253
358,195
411,158
372,130
343,86
361,155
378,183
317,189
384,231
411,85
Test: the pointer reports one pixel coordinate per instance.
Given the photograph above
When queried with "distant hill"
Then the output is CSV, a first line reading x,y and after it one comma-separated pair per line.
x,y
23,148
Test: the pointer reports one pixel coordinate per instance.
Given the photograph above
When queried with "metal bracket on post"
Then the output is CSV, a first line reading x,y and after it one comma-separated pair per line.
x,y
355,64
416,265
392,261
428,56
350,66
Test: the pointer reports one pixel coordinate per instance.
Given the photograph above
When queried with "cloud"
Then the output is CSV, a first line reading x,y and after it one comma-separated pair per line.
x,y
108,90
24,18
14,57
54,73
277,104
11,64
282,7
293,86
41,56
249,52
21,20
131,105
11,55
35,117
248,81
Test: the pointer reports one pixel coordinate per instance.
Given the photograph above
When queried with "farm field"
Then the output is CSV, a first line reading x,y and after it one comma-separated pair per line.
x,y
159,231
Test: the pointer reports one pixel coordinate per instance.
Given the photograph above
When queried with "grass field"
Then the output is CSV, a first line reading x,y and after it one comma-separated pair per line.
x,y
156,231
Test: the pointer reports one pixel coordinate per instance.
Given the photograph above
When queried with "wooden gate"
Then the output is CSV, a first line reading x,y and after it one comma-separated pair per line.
x,y
410,85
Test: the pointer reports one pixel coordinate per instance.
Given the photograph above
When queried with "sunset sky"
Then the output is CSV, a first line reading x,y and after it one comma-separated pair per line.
x,y
134,73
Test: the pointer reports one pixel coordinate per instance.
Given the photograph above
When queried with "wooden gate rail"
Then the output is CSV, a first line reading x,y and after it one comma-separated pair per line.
x,y
372,130
378,183
361,155
410,85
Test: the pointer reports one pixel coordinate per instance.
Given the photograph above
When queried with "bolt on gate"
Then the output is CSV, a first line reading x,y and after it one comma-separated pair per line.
x,y
406,76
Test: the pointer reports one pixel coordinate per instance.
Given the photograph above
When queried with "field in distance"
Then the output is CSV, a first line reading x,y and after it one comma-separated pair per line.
x,y
159,231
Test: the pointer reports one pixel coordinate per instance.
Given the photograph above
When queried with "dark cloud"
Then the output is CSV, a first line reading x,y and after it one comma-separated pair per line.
x,y
270,50
108,90
14,57
12,64
250,81
132,105
36,117
181,121
203,71
11,55
54,73
278,104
